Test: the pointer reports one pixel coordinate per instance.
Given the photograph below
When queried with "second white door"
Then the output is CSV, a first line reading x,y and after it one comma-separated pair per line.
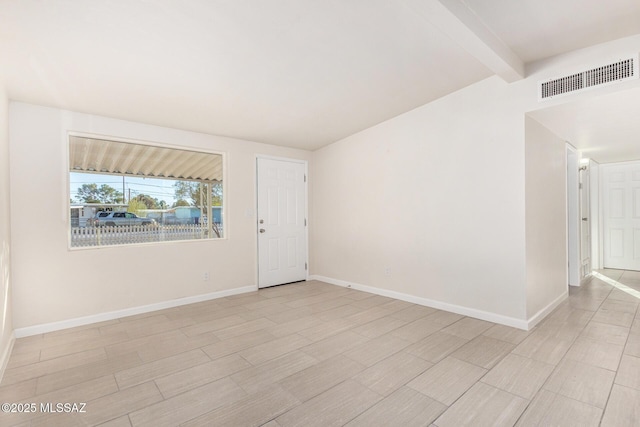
x,y
282,234
621,212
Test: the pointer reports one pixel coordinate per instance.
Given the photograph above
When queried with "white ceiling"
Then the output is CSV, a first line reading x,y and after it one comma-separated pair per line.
x,y
537,29
606,129
299,73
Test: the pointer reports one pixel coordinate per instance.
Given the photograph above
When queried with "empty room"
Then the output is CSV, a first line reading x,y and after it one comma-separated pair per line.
x,y
319,213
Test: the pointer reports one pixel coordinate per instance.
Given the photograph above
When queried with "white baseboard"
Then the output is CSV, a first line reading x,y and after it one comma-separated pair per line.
x,y
4,359
536,318
465,311
101,317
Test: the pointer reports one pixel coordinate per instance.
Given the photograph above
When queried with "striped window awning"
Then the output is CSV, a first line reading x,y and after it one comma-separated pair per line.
x,y
94,155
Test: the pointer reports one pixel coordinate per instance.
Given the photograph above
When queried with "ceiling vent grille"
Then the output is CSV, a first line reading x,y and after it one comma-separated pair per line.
x,y
626,69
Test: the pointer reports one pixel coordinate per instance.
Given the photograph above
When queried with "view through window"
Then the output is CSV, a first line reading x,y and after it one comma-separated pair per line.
x,y
127,193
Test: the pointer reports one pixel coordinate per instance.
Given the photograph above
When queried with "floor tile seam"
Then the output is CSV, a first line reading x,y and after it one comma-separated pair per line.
x,y
621,354
88,402
206,383
568,397
529,332
381,398
279,383
305,304
475,364
186,349
35,399
145,337
524,411
221,339
602,410
51,345
176,396
557,365
606,324
8,367
36,395
199,323
421,317
252,365
167,373
93,346
457,336
276,338
388,357
320,310
364,336
616,375
404,384
325,391
606,403
375,320
431,361
529,399
8,371
488,385
595,366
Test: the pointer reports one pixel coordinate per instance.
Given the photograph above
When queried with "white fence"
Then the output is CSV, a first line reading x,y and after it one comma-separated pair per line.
x,y
124,235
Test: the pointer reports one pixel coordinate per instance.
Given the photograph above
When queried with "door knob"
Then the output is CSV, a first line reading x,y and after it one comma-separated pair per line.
x,y
262,230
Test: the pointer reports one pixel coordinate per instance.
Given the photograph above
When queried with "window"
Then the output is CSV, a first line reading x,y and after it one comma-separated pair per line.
x,y
130,193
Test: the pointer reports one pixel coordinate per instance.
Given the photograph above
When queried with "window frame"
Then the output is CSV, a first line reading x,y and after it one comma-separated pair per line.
x,y
159,144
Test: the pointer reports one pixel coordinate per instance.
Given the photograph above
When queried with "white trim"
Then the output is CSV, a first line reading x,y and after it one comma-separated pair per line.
x,y
4,359
466,311
540,315
87,320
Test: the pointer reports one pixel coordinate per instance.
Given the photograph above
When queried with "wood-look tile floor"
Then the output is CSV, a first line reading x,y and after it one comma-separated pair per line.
x,y
313,354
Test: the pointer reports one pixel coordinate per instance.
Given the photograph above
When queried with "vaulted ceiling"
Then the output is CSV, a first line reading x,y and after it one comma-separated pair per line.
x,y
299,73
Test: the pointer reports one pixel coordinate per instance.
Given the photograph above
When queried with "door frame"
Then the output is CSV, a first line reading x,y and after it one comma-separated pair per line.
x,y
573,212
255,216
584,192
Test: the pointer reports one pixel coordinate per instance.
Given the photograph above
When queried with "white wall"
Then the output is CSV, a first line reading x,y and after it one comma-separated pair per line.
x,y
436,198
52,283
546,224
6,321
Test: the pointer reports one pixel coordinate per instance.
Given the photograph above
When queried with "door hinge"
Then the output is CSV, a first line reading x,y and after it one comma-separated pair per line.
x,y
305,222
305,265
305,177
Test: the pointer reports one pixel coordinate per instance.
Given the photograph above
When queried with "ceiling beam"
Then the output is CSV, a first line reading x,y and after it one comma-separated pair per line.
x,y
462,25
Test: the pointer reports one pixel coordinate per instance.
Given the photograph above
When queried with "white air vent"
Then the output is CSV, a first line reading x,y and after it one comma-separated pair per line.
x,y
626,69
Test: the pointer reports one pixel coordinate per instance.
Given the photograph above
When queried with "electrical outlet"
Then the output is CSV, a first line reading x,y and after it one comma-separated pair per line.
x,y
387,271
205,276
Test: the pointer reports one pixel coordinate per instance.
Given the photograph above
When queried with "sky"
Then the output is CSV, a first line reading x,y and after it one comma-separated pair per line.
x,y
161,189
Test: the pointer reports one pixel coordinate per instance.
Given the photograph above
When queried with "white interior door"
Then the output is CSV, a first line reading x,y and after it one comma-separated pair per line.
x,y
282,234
621,212
585,223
